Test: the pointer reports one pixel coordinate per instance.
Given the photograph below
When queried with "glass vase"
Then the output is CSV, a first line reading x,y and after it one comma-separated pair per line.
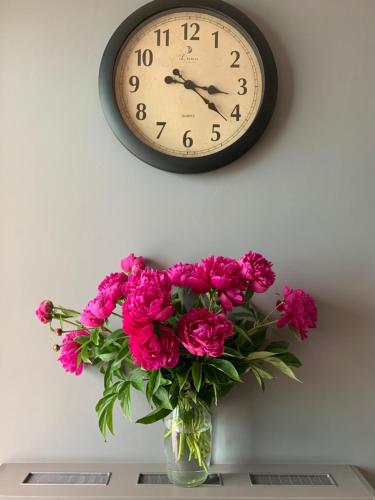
x,y
188,444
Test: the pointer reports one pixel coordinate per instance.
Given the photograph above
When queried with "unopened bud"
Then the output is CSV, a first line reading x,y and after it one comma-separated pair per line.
x,y
59,331
56,347
45,311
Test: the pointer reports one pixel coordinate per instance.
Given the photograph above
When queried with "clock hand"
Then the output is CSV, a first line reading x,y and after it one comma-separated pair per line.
x,y
170,79
190,86
211,105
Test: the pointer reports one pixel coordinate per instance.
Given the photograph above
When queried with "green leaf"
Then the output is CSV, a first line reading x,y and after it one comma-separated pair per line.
x,y
290,359
278,347
214,388
108,376
153,383
259,355
107,356
226,367
197,375
232,353
94,337
137,378
258,338
104,409
125,401
123,353
162,397
182,378
138,384
284,368
164,381
259,378
262,372
212,378
225,388
113,337
84,354
102,403
109,415
82,339
103,424
118,373
173,394
154,416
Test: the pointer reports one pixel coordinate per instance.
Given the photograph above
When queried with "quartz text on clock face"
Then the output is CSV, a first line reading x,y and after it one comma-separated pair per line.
x,y
188,83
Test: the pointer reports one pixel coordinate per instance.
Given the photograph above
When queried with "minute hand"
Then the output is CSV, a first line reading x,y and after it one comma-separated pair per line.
x,y
211,105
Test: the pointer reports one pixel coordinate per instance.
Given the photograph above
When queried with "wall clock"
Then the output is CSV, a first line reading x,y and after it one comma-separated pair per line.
x,y
188,86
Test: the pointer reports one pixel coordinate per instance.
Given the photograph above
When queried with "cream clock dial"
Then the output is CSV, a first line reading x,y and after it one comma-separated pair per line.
x,y
188,83
188,88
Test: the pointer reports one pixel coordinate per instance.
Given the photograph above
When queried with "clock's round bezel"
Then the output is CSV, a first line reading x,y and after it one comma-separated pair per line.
x,y
161,160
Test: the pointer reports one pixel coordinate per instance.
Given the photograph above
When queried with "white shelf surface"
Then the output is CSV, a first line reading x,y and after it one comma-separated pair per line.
x,y
236,484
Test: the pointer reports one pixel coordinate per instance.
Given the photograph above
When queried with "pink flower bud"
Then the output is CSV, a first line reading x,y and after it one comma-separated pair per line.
x,y
45,311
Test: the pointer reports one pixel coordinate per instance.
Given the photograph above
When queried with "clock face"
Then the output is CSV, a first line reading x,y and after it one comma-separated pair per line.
x,y
189,82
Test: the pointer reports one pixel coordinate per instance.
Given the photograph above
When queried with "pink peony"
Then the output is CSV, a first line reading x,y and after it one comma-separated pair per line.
x,y
132,263
257,272
133,326
203,332
44,311
199,280
148,296
69,352
298,310
153,351
220,273
179,274
98,310
113,284
226,277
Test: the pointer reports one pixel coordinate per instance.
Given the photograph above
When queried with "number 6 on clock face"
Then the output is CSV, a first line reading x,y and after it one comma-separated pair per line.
x,y
187,88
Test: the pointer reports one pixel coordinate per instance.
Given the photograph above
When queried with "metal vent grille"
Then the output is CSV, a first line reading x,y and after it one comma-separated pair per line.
x,y
61,478
212,480
293,479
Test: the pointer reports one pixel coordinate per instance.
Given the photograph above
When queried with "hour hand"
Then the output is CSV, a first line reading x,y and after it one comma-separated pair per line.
x,y
189,84
213,90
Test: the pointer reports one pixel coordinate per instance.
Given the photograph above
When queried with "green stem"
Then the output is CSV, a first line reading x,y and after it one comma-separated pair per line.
x,y
241,331
182,446
262,325
70,322
273,311
60,308
118,315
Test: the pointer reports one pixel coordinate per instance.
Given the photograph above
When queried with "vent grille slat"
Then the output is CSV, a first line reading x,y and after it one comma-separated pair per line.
x,y
66,478
292,479
152,478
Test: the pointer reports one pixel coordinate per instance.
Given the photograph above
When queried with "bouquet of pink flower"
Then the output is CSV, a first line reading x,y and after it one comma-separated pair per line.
x,y
189,333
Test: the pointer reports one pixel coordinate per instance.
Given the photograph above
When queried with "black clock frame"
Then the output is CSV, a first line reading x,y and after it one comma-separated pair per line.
x,y
173,163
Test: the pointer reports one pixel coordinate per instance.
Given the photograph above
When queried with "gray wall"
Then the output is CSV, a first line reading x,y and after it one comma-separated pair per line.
x,y
74,201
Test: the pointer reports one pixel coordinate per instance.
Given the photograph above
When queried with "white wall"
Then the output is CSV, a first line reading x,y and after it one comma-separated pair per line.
x,y
74,201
